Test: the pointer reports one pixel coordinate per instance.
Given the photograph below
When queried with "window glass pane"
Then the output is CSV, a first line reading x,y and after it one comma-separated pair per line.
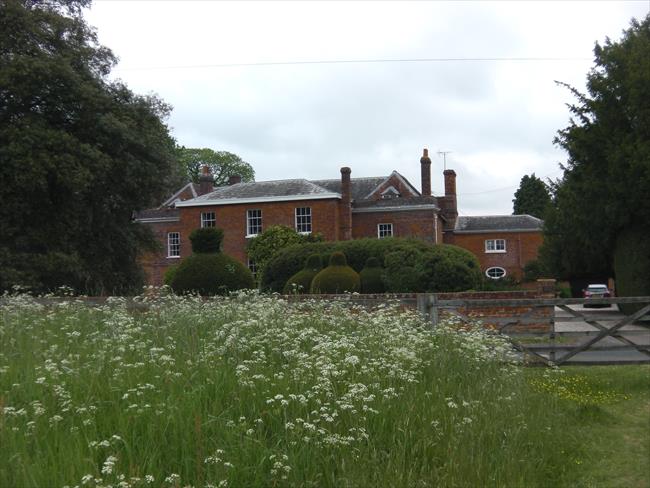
x,y
384,230
173,244
303,219
495,273
253,222
208,219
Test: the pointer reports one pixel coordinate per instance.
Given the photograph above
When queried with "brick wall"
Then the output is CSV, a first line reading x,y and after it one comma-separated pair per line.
x,y
415,223
521,247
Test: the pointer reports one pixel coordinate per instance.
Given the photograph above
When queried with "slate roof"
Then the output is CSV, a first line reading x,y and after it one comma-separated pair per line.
x,y
502,223
360,187
396,202
157,214
262,189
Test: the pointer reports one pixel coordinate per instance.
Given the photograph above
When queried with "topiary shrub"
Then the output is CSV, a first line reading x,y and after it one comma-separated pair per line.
x,y
301,281
338,277
632,266
371,277
534,270
211,274
206,240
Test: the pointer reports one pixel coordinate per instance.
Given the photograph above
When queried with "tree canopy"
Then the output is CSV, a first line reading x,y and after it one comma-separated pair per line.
x,y
78,154
532,197
222,164
604,188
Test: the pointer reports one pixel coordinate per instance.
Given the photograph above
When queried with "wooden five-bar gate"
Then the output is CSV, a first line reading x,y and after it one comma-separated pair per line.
x,y
531,325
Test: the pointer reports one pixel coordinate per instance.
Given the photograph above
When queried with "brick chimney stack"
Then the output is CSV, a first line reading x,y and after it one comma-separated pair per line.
x,y
234,179
346,205
206,180
450,183
425,167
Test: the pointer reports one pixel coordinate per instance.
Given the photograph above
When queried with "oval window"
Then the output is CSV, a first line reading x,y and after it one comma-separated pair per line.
x,y
495,273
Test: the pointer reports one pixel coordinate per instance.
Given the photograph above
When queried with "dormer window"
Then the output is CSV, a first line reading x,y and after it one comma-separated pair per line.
x,y
390,192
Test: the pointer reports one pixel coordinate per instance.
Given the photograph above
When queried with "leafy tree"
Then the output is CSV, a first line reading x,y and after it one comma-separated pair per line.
x,y
78,154
532,197
604,189
222,164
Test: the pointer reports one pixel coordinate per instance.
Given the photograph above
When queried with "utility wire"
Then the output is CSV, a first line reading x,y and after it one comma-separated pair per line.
x,y
356,61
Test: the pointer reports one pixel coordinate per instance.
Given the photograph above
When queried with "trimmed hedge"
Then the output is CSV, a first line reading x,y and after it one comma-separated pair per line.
x,y
211,274
371,277
301,281
338,277
632,266
206,240
290,260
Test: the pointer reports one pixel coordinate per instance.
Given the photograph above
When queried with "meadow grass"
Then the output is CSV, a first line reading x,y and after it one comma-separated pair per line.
x,y
253,391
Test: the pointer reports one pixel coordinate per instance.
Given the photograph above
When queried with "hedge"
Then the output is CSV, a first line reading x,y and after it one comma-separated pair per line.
x,y
371,275
211,274
338,277
301,281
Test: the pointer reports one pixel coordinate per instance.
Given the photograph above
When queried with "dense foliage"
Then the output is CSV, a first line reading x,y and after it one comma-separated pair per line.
x,y
372,280
290,260
338,277
262,248
632,265
222,164
604,189
206,240
411,265
78,154
211,274
301,281
532,197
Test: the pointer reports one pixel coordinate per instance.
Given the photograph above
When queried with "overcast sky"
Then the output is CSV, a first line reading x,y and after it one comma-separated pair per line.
x,y
498,118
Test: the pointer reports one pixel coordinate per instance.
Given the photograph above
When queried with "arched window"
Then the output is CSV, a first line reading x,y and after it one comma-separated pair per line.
x,y
495,273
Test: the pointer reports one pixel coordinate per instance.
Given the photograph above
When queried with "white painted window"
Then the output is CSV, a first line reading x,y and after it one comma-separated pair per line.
x,y
208,219
253,222
495,245
303,220
173,244
384,230
495,273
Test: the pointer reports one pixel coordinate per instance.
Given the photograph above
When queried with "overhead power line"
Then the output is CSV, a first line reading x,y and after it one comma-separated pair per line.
x,y
357,61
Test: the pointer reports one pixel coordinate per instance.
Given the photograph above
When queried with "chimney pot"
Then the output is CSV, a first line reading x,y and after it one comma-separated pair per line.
x,y
234,179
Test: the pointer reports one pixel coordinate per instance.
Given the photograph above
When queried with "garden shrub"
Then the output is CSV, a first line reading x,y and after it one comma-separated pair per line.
x,y
211,274
290,260
169,275
338,277
371,277
206,240
632,266
447,268
534,270
301,281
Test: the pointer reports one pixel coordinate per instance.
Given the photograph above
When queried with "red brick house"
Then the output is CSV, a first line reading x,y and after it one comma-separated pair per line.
x,y
339,209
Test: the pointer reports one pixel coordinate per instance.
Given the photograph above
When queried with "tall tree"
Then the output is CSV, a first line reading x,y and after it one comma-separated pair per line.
x,y
532,197
222,164
604,189
78,154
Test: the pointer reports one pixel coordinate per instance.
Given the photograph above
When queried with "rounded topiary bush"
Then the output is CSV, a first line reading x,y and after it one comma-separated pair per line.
x,y
301,281
371,277
211,274
338,277
206,240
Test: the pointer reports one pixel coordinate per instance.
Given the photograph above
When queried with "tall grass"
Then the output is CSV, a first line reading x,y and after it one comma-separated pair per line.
x,y
253,391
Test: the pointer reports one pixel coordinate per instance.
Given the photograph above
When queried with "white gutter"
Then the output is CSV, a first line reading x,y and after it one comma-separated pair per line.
x,y
402,208
233,201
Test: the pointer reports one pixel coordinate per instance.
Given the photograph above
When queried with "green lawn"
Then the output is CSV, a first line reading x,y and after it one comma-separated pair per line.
x,y
253,391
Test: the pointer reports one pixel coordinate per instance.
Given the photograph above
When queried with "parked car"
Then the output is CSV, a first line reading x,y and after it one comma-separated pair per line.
x,y
596,291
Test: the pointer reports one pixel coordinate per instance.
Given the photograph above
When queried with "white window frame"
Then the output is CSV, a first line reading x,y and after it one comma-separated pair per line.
x,y
208,219
303,220
496,277
381,233
495,245
173,245
250,219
